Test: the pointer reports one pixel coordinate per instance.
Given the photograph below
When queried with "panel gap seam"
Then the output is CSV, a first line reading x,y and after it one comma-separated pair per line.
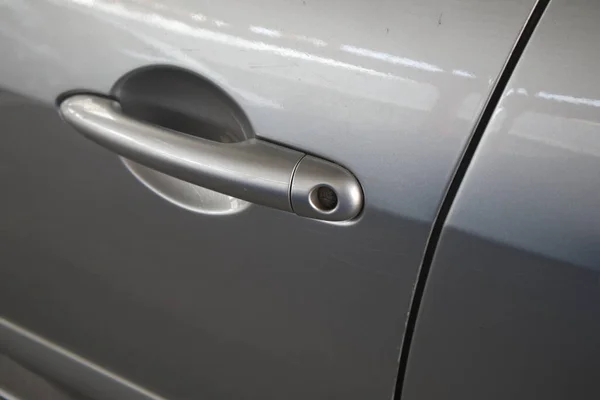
x,y
459,173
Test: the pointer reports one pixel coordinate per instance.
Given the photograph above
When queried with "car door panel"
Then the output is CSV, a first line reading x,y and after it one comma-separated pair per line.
x,y
260,303
514,282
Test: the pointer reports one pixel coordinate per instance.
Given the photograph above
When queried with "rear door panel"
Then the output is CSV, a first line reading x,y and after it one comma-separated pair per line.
x,y
514,283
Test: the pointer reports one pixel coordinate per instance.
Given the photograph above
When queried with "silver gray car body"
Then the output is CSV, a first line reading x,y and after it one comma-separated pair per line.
x,y
117,293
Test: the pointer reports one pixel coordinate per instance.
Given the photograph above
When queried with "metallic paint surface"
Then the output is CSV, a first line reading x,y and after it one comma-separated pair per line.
x,y
260,304
512,304
400,79
253,170
183,194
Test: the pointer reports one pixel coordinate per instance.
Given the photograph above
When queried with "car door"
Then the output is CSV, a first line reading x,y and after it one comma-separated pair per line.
x,y
122,282
514,282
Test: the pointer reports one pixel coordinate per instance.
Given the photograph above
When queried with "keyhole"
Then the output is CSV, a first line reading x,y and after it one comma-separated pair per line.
x,y
324,198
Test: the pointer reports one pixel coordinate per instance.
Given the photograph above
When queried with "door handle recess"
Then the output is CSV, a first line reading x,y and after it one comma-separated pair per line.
x,y
253,170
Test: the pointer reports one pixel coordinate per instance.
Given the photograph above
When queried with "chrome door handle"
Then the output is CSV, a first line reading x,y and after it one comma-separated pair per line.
x,y
253,170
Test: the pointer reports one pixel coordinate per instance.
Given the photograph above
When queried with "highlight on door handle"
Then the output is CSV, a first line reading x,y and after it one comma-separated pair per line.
x,y
253,170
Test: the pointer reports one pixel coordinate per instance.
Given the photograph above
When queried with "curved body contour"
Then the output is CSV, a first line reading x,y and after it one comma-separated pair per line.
x,y
137,298
514,286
